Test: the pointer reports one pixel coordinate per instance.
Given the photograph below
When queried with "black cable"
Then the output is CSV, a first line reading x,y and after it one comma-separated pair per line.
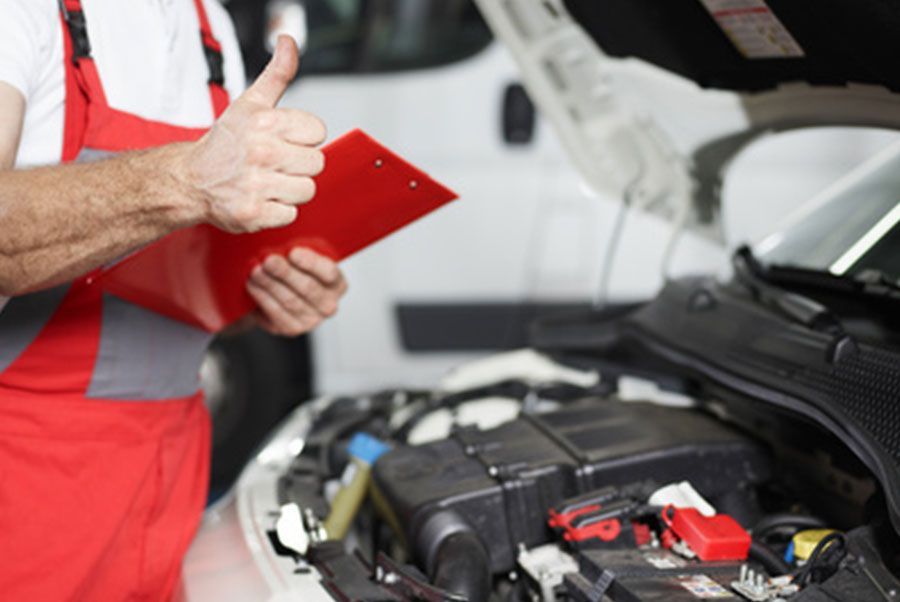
x,y
781,533
768,558
786,519
805,574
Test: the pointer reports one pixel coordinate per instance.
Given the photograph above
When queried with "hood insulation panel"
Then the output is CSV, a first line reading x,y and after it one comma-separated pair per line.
x,y
840,41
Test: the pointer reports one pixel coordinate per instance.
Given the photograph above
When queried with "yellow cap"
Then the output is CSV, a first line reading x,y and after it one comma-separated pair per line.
x,y
806,541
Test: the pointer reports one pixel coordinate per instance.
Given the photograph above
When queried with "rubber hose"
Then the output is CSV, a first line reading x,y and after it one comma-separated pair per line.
x,y
768,558
462,567
802,521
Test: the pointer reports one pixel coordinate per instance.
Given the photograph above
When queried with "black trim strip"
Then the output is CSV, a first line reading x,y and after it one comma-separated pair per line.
x,y
473,326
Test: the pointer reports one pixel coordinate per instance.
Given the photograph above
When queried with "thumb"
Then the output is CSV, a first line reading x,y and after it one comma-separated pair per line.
x,y
271,84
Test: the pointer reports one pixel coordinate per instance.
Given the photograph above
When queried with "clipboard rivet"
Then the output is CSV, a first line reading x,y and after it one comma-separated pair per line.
x,y
378,163
413,184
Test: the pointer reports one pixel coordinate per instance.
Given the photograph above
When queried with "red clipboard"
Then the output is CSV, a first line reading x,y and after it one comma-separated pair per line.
x,y
198,275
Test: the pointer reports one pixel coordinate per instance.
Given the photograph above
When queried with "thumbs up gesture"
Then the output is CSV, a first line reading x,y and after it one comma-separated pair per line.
x,y
256,164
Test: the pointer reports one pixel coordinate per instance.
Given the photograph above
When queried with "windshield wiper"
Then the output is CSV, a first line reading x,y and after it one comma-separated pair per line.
x,y
877,282
798,308
870,282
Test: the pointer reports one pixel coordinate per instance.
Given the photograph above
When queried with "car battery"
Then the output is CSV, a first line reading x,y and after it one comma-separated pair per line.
x,y
649,575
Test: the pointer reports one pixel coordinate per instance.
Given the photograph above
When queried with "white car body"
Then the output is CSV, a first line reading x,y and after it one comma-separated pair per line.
x,y
528,228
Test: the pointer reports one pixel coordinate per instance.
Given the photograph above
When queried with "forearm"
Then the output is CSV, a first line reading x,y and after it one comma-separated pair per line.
x,y
57,223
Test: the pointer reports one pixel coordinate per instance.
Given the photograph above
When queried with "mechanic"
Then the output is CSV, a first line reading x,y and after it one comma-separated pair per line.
x,y
104,439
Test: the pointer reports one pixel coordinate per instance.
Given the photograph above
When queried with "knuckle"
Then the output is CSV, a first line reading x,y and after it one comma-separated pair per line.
x,y
305,286
246,213
261,154
276,266
302,257
263,120
254,184
269,306
294,305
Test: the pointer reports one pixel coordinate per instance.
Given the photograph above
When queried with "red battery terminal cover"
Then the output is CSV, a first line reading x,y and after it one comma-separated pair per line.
x,y
712,538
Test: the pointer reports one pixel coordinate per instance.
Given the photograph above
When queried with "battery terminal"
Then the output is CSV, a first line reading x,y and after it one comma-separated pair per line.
x,y
756,587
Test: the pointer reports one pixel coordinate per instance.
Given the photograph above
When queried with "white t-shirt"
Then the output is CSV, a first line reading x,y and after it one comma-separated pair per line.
x,y
148,54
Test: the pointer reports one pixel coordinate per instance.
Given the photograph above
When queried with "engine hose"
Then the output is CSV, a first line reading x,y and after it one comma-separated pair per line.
x,y
462,567
768,558
774,521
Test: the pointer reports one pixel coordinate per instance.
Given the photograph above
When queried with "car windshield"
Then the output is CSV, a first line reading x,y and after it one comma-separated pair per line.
x,y
852,229
365,36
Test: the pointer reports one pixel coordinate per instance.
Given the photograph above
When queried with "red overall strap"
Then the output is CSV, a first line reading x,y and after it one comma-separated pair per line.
x,y
76,106
86,69
213,50
94,123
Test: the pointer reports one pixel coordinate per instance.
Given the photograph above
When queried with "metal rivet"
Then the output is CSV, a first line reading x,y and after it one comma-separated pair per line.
x,y
378,163
413,184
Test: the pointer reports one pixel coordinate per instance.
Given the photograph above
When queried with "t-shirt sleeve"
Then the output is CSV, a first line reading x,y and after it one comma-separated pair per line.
x,y
223,29
25,38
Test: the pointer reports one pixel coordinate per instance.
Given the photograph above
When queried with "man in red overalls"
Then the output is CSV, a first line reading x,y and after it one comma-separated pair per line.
x,y
104,439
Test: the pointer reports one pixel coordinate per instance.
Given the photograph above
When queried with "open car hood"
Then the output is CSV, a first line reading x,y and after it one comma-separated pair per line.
x,y
618,77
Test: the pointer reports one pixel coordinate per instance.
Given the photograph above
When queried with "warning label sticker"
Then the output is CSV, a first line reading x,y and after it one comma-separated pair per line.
x,y
665,560
754,29
703,587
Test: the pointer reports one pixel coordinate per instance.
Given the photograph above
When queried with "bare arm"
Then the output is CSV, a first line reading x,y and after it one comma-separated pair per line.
x,y
59,222
246,174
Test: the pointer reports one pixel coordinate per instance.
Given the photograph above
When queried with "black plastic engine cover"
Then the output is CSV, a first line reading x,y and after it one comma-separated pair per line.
x,y
501,482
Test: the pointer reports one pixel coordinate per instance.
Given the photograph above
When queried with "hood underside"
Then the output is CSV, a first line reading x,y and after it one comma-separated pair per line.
x,y
752,45
778,64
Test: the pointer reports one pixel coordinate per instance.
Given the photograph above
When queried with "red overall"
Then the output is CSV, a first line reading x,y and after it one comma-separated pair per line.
x,y
104,439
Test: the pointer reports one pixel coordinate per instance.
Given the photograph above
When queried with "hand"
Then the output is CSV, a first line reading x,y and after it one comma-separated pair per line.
x,y
257,162
296,293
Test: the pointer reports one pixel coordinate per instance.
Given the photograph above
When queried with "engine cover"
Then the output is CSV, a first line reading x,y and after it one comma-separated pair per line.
x,y
500,483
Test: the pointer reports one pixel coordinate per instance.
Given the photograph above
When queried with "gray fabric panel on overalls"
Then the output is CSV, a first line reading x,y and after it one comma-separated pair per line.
x,y
22,320
143,355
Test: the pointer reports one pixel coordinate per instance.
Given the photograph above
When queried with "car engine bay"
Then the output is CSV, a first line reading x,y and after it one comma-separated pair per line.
x,y
579,489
